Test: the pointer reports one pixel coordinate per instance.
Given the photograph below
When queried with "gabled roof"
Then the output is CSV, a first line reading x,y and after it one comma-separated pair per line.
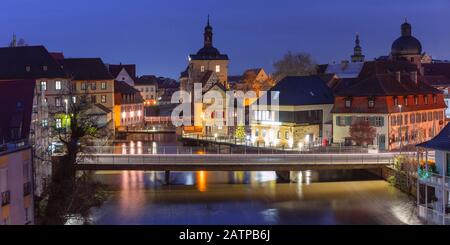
x,y
378,78
103,108
387,67
58,56
87,69
208,75
441,142
345,70
303,90
185,73
145,81
15,60
218,85
437,80
16,100
437,69
116,69
124,88
253,70
386,85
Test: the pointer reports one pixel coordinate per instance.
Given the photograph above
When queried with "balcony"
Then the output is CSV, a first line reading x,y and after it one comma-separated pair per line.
x,y
433,216
13,146
436,180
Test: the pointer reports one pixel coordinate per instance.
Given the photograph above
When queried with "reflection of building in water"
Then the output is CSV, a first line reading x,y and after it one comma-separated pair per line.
x,y
201,180
132,195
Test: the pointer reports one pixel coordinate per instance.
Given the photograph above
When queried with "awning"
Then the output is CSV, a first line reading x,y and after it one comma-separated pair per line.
x,y
441,142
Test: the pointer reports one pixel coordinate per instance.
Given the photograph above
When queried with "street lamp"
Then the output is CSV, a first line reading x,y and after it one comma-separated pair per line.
x,y
66,101
400,124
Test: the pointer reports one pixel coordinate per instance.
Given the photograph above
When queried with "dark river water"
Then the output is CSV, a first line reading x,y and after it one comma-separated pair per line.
x,y
194,198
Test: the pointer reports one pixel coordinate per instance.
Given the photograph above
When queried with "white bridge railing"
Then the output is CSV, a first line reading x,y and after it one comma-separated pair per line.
x,y
241,159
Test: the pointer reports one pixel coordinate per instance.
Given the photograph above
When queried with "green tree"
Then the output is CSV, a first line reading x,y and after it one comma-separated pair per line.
x,y
294,64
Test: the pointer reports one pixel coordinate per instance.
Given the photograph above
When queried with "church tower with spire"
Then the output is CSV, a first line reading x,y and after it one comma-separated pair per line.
x,y
357,51
207,62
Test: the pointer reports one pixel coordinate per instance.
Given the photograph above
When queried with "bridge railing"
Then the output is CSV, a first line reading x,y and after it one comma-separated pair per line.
x,y
385,159
316,148
215,149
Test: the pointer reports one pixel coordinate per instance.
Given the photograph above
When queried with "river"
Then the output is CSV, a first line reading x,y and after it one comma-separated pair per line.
x,y
244,198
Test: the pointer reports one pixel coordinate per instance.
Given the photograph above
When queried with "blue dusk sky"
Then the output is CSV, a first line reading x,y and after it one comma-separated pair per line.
x,y
159,35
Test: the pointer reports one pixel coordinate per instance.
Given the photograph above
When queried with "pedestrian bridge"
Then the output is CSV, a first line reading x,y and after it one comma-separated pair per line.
x,y
234,162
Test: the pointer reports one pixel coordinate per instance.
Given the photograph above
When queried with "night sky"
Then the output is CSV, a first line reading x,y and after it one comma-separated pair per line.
x,y
158,35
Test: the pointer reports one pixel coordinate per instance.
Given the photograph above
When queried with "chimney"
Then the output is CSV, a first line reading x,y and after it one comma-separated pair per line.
x,y
344,64
413,75
398,76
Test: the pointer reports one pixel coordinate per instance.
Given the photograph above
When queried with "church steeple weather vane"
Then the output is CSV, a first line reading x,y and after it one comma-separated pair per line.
x,y
208,35
357,51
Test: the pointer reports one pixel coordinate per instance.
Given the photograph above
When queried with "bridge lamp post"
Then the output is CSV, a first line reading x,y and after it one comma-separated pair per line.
x,y
400,128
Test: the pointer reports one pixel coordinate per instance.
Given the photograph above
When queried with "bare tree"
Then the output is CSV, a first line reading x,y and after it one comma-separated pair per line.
x,y
294,64
253,84
72,193
362,133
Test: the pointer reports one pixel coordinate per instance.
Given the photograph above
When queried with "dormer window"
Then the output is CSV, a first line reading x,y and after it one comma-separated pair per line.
x,y
348,103
371,102
28,68
44,68
395,101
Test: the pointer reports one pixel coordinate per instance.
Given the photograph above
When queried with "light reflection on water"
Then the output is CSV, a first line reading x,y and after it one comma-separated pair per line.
x,y
202,197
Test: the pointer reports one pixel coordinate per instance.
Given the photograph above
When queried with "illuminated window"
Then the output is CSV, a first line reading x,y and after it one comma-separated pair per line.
x,y
348,103
103,99
103,85
425,98
371,103
84,86
416,100
217,68
395,101
58,123
58,85
43,85
202,68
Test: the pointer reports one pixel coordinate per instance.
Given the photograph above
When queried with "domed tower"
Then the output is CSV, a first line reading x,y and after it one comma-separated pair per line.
x,y
208,59
406,47
357,51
